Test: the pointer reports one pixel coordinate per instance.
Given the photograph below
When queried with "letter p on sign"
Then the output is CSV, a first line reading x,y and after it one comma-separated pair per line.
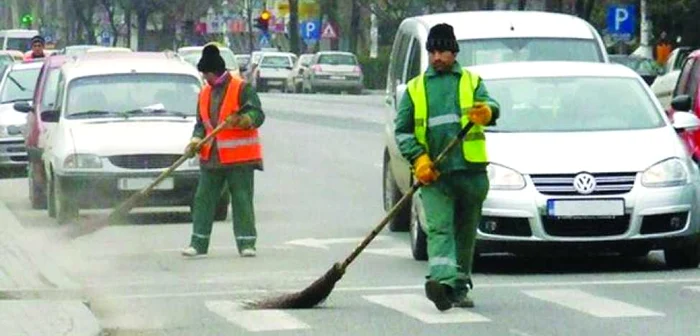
x,y
621,15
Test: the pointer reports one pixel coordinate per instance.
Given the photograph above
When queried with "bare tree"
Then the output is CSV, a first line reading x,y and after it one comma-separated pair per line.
x,y
294,38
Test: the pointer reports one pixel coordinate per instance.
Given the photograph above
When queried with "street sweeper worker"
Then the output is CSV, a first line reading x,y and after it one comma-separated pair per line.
x,y
437,105
230,159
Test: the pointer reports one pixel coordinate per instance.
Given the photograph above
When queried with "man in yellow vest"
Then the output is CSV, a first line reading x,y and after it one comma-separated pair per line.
x,y
438,103
231,159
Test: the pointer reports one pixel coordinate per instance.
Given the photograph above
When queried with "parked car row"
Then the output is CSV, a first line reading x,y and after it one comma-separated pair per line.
x,y
99,127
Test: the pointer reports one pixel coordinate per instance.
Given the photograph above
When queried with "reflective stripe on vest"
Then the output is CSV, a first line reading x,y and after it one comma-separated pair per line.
x,y
474,146
233,145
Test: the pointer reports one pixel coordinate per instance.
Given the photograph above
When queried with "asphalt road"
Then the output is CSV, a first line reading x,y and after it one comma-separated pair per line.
x,y
319,194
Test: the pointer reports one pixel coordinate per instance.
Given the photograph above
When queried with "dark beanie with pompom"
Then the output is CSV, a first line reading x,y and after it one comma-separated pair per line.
x,y
442,38
211,61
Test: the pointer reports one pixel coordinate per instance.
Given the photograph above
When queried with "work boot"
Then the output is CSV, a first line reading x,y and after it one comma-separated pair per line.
x,y
460,295
439,294
248,252
191,252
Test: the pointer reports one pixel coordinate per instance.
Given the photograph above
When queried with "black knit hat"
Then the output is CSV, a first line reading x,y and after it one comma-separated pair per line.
x,y
442,38
39,39
211,60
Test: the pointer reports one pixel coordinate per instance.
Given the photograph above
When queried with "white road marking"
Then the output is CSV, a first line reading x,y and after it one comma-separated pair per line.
x,y
400,252
693,288
324,242
396,288
519,333
256,320
420,308
590,304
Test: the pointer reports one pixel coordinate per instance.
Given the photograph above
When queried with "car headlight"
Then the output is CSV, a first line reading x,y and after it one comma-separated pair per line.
x,y
3,131
503,178
82,161
668,173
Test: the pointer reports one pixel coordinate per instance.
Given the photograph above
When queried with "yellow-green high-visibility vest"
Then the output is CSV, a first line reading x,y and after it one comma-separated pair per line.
x,y
474,146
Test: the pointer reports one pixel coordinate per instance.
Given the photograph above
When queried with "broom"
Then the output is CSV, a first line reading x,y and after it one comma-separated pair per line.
x,y
320,289
126,206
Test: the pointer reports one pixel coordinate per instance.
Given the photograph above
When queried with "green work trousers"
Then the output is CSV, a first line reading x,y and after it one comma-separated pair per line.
x,y
239,180
453,211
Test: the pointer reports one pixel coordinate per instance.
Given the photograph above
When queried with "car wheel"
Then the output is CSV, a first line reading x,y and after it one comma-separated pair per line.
x,y
37,194
419,242
683,257
67,209
391,196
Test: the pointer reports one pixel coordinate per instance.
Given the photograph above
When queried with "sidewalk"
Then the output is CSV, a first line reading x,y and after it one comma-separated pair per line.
x,y
25,268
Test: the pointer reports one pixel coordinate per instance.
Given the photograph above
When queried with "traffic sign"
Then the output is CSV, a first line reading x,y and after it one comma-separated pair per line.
x,y
622,21
329,31
311,30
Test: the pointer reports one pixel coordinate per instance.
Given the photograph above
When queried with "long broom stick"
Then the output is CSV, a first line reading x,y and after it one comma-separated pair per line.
x,y
120,211
320,289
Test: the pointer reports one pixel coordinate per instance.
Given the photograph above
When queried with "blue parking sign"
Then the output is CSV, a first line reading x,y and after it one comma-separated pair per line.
x,y
310,30
622,21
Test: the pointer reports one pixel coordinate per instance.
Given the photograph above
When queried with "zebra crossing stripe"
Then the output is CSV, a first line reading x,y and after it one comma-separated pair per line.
x,y
590,304
256,320
420,308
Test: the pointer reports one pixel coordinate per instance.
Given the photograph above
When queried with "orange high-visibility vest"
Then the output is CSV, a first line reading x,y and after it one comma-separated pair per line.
x,y
233,145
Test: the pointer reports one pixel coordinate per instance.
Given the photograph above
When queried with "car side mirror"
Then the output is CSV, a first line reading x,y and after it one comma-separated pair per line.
x,y
685,121
681,103
24,107
49,116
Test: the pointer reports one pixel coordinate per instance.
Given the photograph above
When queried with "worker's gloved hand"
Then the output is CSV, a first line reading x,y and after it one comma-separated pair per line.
x,y
424,170
239,121
191,148
480,114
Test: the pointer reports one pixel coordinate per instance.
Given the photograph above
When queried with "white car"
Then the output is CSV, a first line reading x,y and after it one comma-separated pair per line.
x,y
583,159
193,54
121,119
664,85
17,85
272,70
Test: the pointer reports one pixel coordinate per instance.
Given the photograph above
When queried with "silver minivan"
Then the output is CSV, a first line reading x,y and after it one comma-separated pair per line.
x,y
484,37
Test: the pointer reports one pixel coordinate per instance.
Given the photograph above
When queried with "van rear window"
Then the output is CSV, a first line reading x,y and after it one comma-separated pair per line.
x,y
487,51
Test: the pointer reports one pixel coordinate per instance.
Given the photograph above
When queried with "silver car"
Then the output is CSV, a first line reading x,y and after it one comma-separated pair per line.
x,y
17,85
333,71
583,157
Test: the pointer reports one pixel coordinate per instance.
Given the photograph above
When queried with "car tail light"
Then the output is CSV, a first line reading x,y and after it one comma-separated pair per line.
x,y
357,69
316,68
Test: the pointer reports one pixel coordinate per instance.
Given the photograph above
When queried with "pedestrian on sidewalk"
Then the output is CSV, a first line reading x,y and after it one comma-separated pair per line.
x,y
436,106
231,159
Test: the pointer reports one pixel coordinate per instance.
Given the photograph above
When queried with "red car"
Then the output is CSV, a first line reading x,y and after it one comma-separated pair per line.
x,y
686,97
44,99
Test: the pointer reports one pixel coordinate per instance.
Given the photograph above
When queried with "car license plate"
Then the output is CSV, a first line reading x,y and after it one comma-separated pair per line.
x,y
138,183
274,83
338,77
586,208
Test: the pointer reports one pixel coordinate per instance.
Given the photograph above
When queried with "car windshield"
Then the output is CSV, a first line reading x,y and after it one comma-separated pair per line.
x,y
573,104
79,50
337,59
275,62
487,51
19,85
19,43
162,93
6,60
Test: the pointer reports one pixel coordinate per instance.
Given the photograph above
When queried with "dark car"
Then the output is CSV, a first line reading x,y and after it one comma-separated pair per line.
x,y
645,67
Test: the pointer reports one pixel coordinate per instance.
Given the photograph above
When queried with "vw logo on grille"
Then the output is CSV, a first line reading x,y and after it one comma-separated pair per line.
x,y
584,183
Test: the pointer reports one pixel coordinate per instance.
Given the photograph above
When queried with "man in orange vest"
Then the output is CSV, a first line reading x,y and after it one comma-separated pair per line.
x,y
230,159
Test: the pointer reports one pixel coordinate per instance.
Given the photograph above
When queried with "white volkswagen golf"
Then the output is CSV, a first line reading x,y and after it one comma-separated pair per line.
x,y
583,158
121,119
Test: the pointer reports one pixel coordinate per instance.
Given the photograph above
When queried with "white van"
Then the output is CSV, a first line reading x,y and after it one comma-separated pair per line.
x,y
484,37
17,39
